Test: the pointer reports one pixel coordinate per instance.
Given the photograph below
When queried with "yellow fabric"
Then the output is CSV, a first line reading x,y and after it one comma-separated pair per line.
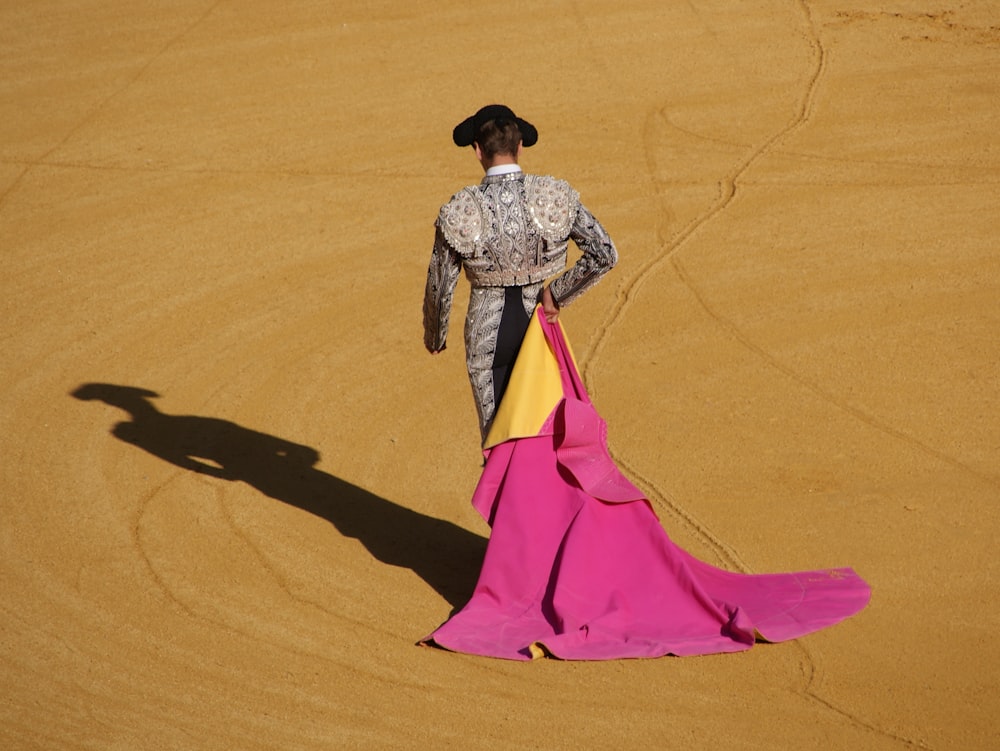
x,y
534,390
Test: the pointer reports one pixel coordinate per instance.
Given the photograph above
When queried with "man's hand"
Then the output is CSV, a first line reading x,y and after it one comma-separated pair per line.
x,y
549,306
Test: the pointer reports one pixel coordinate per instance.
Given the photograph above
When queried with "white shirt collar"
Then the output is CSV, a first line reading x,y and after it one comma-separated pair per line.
x,y
503,169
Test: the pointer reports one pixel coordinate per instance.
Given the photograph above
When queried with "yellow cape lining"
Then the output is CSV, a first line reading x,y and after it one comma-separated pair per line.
x,y
534,390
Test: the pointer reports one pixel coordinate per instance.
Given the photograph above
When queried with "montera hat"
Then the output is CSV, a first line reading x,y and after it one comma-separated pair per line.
x,y
465,132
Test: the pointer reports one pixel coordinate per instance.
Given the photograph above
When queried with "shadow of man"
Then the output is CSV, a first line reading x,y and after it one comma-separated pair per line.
x,y
443,554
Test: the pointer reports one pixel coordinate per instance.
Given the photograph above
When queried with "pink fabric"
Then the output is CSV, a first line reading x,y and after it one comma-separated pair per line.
x,y
578,562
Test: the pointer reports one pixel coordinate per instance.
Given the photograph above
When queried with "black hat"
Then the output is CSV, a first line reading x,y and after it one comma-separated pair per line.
x,y
465,132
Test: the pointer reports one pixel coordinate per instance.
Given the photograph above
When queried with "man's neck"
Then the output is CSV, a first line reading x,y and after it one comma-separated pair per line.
x,y
508,162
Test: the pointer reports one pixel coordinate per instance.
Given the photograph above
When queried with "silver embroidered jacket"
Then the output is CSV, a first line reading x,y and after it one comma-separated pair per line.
x,y
511,230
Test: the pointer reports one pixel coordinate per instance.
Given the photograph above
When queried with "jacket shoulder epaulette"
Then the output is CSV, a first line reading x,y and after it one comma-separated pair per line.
x,y
552,205
461,221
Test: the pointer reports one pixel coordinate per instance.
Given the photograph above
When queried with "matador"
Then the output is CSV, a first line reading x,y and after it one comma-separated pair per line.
x,y
510,233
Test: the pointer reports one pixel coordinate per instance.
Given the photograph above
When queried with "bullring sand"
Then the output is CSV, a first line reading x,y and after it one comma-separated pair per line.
x,y
234,488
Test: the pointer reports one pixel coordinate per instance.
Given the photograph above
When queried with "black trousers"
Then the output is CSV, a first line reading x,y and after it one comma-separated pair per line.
x,y
513,325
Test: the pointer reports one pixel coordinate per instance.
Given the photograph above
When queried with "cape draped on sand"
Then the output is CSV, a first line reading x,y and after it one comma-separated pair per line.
x,y
579,567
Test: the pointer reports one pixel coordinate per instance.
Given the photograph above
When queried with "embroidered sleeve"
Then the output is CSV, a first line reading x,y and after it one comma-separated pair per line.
x,y
442,276
599,257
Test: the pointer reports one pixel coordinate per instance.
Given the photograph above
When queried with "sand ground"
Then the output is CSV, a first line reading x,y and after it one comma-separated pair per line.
x,y
221,212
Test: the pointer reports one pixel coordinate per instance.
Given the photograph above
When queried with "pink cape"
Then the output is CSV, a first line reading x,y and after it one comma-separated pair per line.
x,y
579,567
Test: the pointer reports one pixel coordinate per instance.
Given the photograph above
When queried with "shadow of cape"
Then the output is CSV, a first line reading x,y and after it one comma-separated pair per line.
x,y
443,554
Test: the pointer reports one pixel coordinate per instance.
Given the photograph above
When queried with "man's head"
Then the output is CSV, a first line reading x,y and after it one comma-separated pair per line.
x,y
498,137
495,130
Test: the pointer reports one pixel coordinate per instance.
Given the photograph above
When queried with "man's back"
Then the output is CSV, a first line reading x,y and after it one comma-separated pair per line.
x,y
512,229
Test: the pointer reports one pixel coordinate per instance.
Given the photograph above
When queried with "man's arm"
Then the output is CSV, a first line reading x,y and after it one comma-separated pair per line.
x,y
599,257
442,276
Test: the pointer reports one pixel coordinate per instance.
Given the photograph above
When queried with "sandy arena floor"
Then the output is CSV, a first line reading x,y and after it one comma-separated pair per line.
x,y
234,489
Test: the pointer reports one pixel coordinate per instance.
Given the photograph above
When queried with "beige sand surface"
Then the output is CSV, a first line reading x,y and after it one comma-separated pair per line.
x,y
230,203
